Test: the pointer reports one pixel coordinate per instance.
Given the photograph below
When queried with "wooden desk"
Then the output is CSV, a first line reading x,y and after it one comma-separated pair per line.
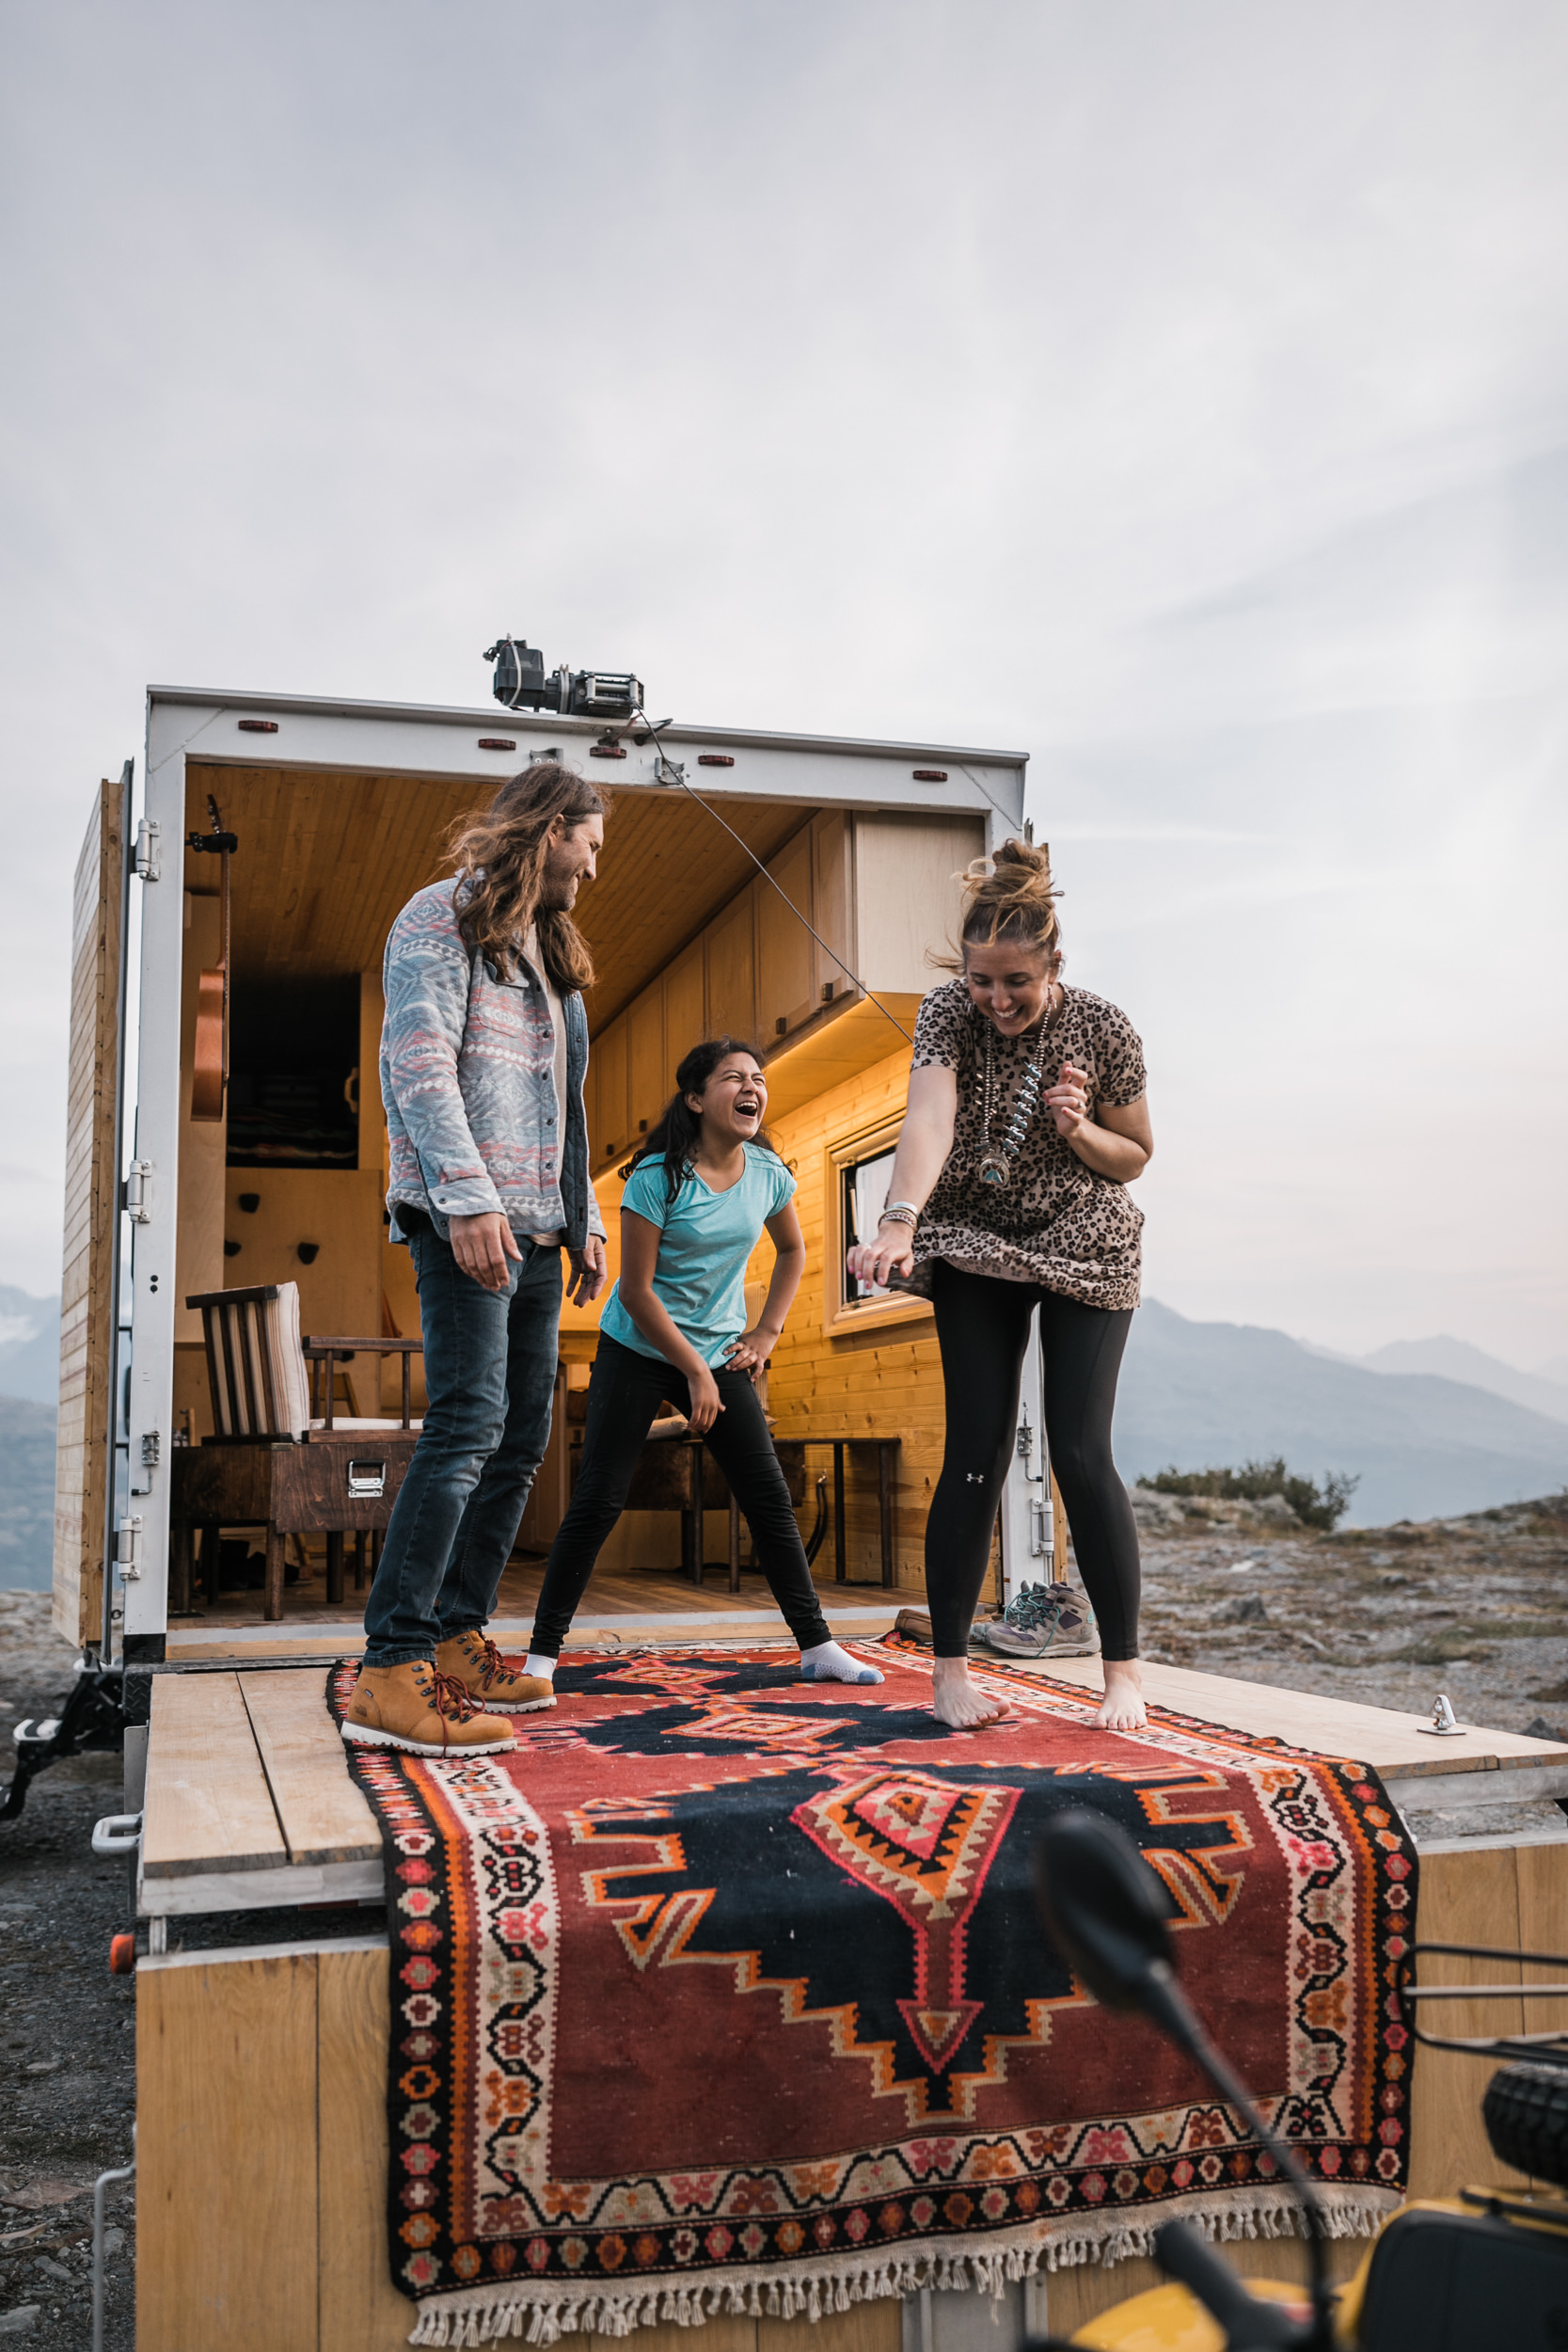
x,y
887,1457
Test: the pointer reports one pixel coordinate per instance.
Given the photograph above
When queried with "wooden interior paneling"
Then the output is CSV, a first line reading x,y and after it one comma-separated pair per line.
x,y
325,862
786,997
91,1179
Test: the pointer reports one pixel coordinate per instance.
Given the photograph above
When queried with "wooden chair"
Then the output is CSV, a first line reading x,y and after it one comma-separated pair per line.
x,y
272,1461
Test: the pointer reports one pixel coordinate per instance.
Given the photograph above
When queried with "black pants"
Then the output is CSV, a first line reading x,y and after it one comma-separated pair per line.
x,y
626,1391
983,1328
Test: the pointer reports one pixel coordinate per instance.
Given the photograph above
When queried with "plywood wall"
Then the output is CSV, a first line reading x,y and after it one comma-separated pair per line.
x,y
91,1185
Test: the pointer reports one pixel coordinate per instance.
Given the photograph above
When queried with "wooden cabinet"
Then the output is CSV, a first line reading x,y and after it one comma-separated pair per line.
x,y
731,1009
614,1130
786,950
685,1012
833,845
648,1077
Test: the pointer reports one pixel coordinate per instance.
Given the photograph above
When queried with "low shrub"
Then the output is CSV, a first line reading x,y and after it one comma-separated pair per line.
x,y
1316,1504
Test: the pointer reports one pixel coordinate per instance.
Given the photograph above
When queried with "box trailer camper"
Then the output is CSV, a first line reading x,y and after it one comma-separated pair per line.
x,y
215,1524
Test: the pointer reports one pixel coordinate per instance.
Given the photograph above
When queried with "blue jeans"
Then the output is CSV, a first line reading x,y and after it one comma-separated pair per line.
x,y
489,1367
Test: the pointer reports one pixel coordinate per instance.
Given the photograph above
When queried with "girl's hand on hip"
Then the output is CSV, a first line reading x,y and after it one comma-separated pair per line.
x,y
706,1405
751,1351
1067,1101
892,1252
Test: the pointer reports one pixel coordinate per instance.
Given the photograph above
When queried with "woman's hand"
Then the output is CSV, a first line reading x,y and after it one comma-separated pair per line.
x,y
706,1405
751,1350
1067,1101
892,1252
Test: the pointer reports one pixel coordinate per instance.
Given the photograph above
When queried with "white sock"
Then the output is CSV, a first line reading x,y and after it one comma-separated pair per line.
x,y
543,1667
827,1662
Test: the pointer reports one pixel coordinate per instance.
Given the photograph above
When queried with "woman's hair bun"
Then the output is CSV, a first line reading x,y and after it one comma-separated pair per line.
x,y
1010,894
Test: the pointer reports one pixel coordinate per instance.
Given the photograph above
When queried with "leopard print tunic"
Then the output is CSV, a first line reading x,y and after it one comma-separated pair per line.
x,y
1055,1222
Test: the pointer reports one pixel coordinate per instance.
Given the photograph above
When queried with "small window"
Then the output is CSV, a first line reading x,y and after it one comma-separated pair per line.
x,y
857,1168
866,1182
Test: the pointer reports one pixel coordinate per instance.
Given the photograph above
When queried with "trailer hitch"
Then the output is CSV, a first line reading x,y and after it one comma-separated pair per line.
x,y
93,1718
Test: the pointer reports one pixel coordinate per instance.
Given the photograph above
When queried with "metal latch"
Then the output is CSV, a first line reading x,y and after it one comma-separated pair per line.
x,y
367,1478
148,866
152,1449
127,1537
132,1193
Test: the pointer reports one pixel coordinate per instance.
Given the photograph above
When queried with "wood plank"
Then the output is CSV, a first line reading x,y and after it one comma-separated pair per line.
x,y
91,1190
208,1805
875,2327
360,2310
227,2246
1378,1735
323,1814
1466,1896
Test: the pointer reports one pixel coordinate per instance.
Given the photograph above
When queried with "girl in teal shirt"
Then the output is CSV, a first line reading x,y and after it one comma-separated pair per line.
x,y
702,1188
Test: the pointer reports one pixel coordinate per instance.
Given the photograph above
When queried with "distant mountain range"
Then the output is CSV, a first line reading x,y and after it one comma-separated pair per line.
x,y
1432,1427
1543,1391
1424,1445
29,1346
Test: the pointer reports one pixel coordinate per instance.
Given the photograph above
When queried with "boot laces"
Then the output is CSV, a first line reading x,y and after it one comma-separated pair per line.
x,y
452,1701
489,1661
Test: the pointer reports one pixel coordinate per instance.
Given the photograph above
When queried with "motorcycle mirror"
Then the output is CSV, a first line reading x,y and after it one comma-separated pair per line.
x,y
1104,1909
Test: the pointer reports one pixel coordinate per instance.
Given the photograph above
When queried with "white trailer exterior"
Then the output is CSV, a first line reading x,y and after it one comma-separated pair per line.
x,y
322,741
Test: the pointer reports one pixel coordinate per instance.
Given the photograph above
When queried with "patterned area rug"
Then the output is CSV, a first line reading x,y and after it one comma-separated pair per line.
x,y
725,1991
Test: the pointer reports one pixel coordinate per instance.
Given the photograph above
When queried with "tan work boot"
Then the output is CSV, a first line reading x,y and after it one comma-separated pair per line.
x,y
413,1706
473,1660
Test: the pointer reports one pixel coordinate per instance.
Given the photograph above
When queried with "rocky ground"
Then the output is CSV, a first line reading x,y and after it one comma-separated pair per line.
x,y
68,2043
1477,1607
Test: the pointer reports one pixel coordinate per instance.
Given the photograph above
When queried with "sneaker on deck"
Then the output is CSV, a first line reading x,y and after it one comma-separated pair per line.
x,y
414,1708
490,1679
1042,1621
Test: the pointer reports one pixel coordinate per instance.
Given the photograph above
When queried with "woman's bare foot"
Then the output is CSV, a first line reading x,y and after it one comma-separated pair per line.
x,y
1123,1706
956,1701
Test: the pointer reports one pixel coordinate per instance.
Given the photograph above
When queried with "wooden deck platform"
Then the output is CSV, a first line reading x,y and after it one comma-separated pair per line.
x,y
262,2098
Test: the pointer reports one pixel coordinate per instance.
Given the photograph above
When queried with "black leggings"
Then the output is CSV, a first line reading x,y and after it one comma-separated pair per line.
x,y
624,1394
983,1328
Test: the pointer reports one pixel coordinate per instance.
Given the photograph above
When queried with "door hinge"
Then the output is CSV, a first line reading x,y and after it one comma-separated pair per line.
x,y
132,1193
148,866
127,1537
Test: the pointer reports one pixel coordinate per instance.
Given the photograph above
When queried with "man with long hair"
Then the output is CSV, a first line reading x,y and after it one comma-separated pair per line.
x,y
482,1057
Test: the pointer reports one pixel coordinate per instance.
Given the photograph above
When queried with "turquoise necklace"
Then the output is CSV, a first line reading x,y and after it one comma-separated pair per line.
x,y
997,1163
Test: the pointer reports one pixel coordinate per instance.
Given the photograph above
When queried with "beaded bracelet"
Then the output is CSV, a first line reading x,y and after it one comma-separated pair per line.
x,y
901,1215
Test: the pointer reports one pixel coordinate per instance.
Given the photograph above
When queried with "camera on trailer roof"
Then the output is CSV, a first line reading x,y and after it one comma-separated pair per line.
x,y
521,684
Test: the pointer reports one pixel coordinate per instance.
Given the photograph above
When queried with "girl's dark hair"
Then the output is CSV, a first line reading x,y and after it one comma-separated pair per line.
x,y
499,853
673,1135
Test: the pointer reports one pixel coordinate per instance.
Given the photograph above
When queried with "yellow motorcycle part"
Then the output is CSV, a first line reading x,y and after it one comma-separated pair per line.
x,y
1169,2319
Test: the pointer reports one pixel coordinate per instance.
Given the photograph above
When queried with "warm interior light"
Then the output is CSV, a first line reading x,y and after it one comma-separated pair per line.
x,y
930,775
496,744
258,726
714,760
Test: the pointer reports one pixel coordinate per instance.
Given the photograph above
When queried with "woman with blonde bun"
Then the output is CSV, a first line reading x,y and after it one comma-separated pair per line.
x,y
1027,1121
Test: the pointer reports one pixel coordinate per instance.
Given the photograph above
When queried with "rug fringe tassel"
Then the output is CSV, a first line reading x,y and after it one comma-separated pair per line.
x,y
485,2314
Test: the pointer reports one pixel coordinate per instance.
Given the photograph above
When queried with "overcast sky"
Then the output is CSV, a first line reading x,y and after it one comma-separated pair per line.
x,y
1178,393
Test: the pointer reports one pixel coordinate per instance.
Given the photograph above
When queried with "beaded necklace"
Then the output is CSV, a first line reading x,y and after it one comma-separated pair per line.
x,y
995,1164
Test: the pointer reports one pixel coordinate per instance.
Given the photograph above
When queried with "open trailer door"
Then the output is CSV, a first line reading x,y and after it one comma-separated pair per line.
x,y
84,1445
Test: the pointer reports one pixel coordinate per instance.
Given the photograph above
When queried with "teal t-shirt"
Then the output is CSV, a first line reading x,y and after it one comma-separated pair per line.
x,y
705,1241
